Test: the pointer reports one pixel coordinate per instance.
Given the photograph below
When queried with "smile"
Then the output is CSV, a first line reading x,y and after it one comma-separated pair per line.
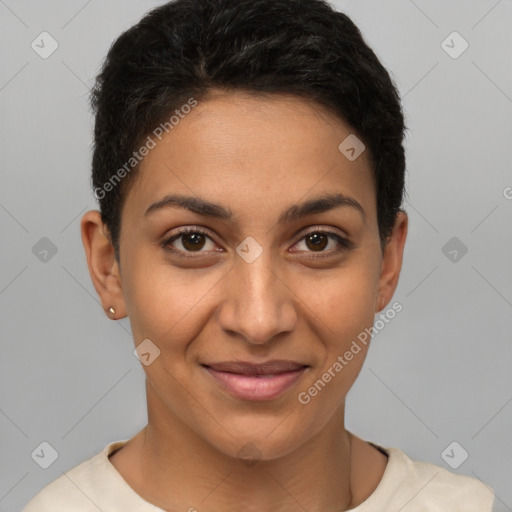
x,y
262,386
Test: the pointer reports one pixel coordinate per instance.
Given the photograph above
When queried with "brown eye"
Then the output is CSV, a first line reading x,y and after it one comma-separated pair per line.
x,y
317,241
193,241
189,241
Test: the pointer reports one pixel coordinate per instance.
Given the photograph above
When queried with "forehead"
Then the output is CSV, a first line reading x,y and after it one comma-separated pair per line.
x,y
244,150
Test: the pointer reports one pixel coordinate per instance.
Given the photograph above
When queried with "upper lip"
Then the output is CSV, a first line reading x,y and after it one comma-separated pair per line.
x,y
266,368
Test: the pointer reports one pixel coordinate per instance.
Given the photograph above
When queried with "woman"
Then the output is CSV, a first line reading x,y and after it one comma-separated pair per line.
x,y
249,167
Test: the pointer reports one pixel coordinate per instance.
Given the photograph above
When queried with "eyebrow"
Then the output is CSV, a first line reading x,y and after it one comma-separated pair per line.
x,y
207,208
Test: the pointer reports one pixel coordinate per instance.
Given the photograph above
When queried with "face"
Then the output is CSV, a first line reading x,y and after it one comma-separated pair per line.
x,y
268,273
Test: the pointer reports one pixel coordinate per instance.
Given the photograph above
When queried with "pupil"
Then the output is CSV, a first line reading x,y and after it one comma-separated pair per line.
x,y
193,241
318,240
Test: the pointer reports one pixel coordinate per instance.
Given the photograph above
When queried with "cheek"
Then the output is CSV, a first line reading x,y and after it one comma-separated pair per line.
x,y
167,304
344,313
345,303
345,308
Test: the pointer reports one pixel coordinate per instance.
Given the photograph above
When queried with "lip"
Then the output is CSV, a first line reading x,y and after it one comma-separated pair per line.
x,y
266,368
263,381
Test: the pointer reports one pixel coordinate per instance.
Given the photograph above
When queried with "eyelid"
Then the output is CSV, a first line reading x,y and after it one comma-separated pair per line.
x,y
320,229
168,239
342,240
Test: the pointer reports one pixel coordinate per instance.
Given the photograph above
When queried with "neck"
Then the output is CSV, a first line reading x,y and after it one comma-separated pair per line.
x,y
181,471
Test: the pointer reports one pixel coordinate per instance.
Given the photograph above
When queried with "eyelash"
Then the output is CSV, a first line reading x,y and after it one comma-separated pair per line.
x,y
344,243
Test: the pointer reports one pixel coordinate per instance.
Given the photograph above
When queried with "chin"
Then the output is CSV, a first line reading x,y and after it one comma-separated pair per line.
x,y
263,440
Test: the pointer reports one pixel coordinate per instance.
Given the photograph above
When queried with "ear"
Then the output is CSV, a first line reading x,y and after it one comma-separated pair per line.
x,y
392,261
103,267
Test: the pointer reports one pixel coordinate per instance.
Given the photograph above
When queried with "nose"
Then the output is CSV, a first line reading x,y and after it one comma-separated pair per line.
x,y
259,304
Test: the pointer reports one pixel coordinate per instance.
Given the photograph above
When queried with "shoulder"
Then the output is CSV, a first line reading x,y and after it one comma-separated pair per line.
x,y
434,488
58,495
77,488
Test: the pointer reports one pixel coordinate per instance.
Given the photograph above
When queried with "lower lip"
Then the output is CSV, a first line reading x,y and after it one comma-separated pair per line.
x,y
251,387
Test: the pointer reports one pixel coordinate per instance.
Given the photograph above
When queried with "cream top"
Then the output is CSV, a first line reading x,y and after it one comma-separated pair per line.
x,y
406,486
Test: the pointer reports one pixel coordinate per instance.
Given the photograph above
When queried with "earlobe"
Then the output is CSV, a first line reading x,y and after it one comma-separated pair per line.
x,y
392,261
103,267
378,302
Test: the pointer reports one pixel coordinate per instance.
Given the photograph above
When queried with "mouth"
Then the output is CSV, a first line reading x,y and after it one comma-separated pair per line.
x,y
248,381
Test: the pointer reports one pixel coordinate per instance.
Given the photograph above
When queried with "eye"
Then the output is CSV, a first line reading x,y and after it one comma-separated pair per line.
x,y
317,240
192,240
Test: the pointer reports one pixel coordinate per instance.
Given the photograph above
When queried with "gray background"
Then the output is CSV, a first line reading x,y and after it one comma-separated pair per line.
x,y
438,373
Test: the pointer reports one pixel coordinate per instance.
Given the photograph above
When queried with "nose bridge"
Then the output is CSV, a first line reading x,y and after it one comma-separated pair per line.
x,y
258,306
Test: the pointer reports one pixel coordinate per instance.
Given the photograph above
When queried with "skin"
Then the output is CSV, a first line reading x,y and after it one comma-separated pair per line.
x,y
256,156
